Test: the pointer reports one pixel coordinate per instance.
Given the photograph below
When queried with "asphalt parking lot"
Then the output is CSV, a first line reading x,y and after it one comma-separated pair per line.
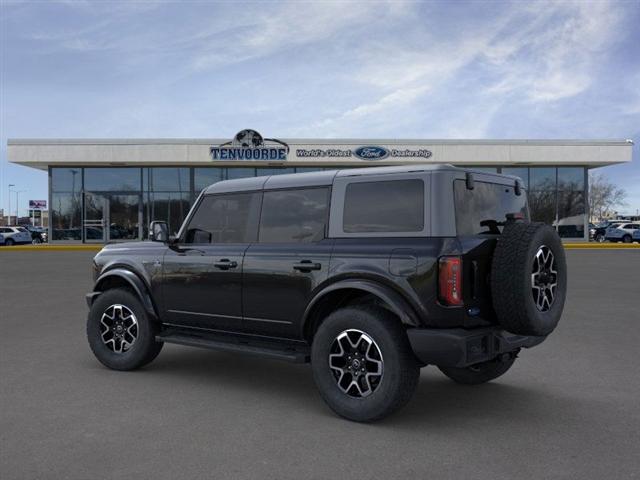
x,y
569,408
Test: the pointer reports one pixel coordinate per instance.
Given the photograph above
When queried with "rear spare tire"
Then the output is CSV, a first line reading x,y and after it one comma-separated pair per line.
x,y
529,279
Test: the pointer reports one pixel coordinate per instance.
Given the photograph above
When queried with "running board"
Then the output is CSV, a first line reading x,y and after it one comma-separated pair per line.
x,y
275,351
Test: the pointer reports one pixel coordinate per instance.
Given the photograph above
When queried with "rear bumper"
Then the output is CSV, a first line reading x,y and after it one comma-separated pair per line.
x,y
457,347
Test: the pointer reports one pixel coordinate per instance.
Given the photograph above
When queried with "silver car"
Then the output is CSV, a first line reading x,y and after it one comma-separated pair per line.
x,y
15,235
622,232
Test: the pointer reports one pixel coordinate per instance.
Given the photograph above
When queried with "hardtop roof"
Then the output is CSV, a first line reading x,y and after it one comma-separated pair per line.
x,y
316,179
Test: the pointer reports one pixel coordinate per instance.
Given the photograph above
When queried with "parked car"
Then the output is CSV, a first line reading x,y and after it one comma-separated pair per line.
x,y
15,235
622,232
600,230
368,274
38,234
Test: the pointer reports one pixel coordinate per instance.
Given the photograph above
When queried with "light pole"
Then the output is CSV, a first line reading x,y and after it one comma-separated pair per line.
x,y
18,192
9,211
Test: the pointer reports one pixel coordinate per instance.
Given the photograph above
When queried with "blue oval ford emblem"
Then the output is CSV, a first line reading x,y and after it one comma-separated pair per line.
x,y
371,153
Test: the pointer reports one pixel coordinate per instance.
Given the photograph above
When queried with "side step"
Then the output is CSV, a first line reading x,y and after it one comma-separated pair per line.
x,y
227,343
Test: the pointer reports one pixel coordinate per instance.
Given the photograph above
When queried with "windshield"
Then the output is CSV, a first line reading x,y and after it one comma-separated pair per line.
x,y
484,209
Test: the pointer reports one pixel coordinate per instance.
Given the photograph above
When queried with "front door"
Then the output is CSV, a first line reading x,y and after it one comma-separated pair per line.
x,y
202,272
111,217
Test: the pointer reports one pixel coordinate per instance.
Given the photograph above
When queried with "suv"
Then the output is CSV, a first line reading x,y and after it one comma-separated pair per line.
x,y
621,232
369,274
38,234
599,231
15,235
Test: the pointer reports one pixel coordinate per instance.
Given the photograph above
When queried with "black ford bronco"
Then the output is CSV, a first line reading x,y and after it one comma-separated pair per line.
x,y
369,274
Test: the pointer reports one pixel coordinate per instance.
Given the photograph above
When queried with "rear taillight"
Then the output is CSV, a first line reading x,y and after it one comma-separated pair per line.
x,y
450,280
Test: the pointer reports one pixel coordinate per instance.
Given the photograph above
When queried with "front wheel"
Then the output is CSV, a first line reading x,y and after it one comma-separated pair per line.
x,y
599,238
120,332
481,372
36,241
626,239
9,242
363,364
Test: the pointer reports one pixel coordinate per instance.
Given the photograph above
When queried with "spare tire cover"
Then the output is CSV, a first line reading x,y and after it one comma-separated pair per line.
x,y
529,279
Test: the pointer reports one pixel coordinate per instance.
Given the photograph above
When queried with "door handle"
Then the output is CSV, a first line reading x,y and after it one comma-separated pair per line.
x,y
225,264
306,266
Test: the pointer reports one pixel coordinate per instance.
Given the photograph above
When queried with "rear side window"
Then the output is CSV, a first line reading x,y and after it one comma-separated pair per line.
x,y
384,206
229,218
296,216
478,211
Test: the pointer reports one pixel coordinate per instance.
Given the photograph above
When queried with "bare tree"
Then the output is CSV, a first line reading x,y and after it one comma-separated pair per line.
x,y
604,196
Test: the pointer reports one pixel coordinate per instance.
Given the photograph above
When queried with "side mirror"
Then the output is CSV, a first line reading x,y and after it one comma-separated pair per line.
x,y
158,231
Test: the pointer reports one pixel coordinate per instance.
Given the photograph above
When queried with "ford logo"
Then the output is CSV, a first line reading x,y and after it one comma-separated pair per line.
x,y
371,153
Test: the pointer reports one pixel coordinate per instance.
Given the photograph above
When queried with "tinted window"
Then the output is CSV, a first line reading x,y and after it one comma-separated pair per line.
x,y
294,215
487,202
115,179
230,218
385,206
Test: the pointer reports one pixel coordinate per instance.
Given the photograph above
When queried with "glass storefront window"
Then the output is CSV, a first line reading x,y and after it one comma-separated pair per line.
x,y
571,214
522,172
542,178
203,177
570,178
172,207
112,179
166,179
240,172
66,216
66,179
542,205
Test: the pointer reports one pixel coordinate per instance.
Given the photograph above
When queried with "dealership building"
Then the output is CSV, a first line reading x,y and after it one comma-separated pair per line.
x,y
109,190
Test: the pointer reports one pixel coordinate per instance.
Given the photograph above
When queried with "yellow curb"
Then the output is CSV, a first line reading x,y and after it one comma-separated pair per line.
x,y
44,248
601,246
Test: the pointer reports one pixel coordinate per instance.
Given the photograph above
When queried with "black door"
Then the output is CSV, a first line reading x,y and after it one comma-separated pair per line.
x,y
288,262
202,273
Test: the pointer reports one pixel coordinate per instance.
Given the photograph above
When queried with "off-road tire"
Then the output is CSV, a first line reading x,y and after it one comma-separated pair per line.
x,y
511,279
400,367
142,351
480,373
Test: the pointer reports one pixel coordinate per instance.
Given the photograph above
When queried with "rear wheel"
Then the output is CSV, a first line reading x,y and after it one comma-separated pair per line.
x,y
481,372
363,364
626,239
120,332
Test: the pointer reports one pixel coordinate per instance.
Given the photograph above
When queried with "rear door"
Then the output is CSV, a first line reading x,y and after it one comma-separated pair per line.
x,y
202,274
288,262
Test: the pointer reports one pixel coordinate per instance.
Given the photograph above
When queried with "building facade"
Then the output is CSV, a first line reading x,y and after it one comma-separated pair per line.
x,y
109,190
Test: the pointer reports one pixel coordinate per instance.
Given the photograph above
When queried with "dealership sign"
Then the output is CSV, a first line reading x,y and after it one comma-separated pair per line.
x,y
366,152
250,145
38,204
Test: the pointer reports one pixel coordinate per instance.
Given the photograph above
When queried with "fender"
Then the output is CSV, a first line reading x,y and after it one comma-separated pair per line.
x,y
394,300
139,287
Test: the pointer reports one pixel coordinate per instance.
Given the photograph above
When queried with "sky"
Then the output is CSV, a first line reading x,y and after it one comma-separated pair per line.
x,y
387,69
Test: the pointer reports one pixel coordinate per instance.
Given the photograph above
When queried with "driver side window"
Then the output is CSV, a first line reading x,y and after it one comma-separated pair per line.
x,y
226,218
